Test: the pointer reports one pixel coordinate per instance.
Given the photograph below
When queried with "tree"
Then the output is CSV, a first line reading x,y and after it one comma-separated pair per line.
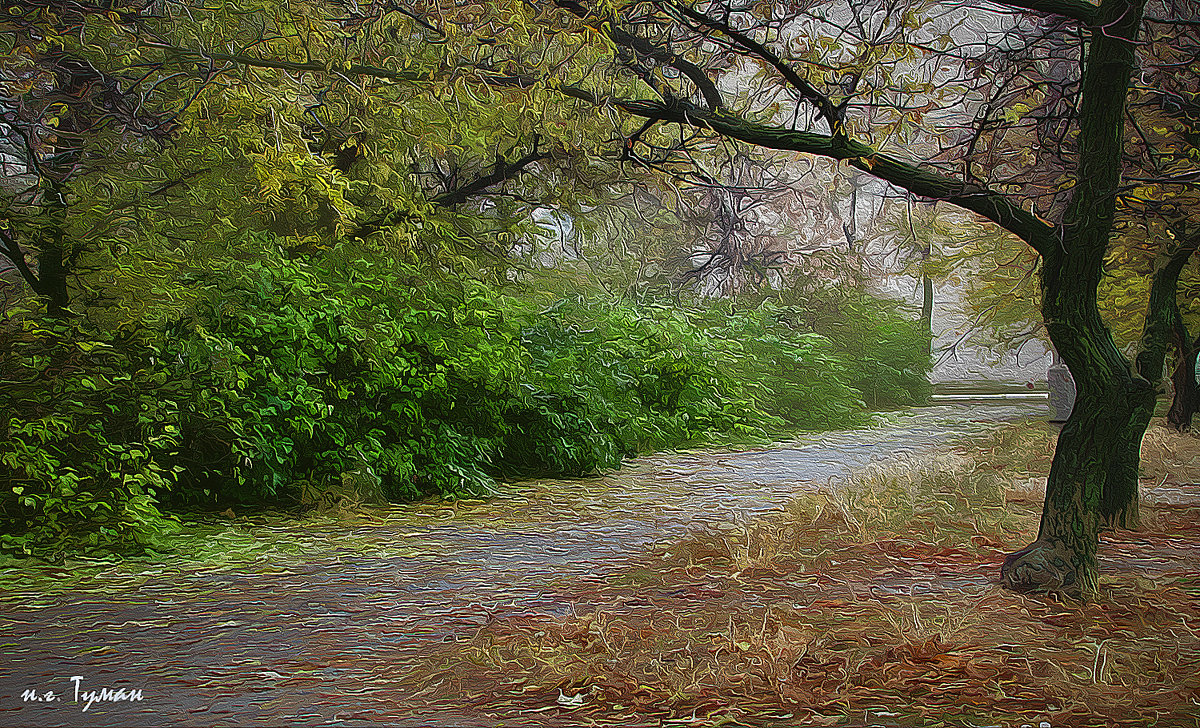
x,y
1156,210
1094,475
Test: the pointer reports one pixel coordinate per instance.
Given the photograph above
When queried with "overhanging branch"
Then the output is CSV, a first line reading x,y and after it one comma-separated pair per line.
x,y
809,92
924,182
503,171
355,69
643,47
1079,10
11,249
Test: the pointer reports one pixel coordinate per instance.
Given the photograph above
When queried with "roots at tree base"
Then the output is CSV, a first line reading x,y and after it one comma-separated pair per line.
x,y
1047,566
1093,482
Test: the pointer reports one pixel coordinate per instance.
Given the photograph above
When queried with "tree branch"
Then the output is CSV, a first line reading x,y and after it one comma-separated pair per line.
x,y
643,47
1161,308
1080,10
503,171
171,184
12,250
991,205
924,182
807,90
355,69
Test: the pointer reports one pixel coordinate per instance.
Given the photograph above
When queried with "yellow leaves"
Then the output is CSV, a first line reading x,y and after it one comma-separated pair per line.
x,y
88,347
54,114
1015,112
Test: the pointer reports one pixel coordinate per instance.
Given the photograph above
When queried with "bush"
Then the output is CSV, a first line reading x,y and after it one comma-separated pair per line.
x,y
792,373
886,353
286,379
648,378
90,433
301,374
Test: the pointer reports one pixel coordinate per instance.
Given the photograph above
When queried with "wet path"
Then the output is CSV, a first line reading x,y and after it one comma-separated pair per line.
x,y
317,623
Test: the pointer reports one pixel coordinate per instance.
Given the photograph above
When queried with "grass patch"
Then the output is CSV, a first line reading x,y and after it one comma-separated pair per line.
x,y
1170,455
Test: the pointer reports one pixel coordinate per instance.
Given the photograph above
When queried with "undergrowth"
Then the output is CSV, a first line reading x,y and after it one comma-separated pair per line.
x,y
289,381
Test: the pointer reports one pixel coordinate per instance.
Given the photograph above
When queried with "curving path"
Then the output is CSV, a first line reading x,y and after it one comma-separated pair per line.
x,y
318,623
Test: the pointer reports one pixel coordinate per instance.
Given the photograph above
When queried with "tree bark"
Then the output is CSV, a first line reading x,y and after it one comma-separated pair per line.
x,y
927,297
1093,478
1186,401
53,269
1187,395
1119,503
1098,448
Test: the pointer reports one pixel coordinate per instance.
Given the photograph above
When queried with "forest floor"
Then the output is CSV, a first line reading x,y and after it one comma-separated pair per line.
x,y
874,603
842,579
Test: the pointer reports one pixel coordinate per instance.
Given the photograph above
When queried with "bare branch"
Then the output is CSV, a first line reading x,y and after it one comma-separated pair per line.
x,y
645,48
925,182
806,89
503,171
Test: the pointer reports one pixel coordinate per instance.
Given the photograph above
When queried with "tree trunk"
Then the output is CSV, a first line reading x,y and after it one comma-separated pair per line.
x,y
1093,478
1187,395
52,261
1098,448
1186,401
1119,504
1119,507
927,305
52,278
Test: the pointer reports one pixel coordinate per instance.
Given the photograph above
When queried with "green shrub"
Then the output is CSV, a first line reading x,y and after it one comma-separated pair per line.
x,y
306,373
885,351
793,374
647,377
287,379
89,430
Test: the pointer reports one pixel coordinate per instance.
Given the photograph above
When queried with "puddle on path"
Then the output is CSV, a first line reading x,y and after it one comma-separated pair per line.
x,y
317,621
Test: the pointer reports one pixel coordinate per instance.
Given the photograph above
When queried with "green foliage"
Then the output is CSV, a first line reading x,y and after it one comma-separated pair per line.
x,y
890,353
304,372
885,352
648,377
88,439
790,371
281,378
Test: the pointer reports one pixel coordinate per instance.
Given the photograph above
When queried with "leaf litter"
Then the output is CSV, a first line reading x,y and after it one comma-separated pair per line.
x,y
789,597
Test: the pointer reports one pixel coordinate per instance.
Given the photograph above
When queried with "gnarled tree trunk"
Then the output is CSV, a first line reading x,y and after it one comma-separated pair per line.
x,y
1187,394
1093,478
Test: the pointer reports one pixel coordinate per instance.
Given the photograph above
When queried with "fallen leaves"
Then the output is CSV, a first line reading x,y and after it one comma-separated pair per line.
x,y
899,626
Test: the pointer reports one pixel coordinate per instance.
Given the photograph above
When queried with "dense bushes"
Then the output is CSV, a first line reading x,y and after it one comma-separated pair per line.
x,y
89,440
283,379
885,351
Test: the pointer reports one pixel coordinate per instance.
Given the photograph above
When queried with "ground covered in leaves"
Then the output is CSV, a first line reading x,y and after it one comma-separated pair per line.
x,y
873,602
842,579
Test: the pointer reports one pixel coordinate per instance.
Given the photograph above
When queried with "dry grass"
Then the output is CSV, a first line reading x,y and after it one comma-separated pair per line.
x,y
947,497
871,603
1170,455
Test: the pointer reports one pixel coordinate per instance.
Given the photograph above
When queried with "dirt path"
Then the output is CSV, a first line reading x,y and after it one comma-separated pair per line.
x,y
316,623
